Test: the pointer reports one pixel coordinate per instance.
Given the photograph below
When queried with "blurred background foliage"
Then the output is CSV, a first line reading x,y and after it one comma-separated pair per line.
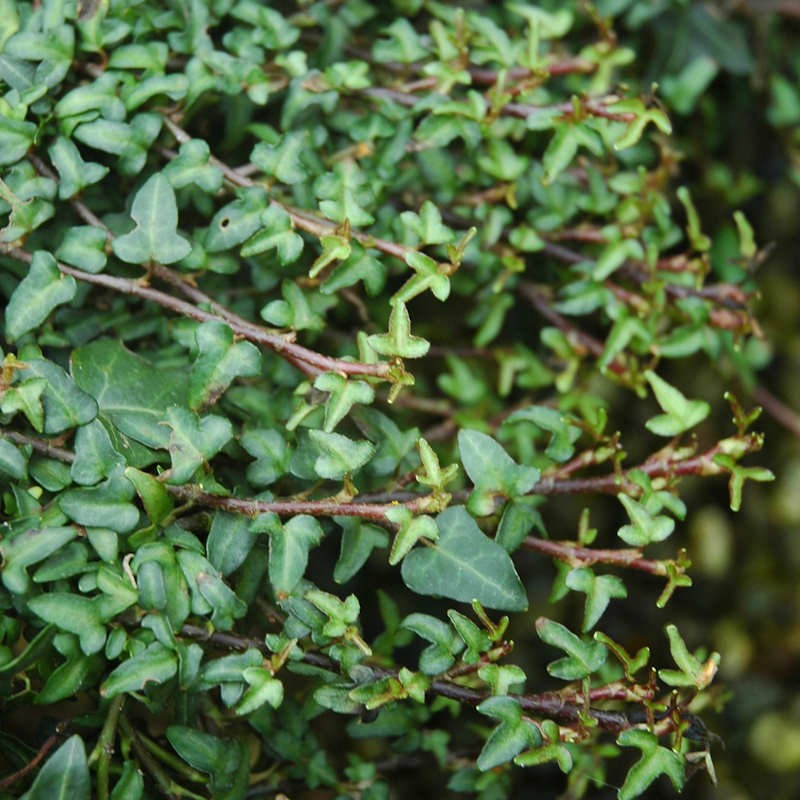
x,y
729,73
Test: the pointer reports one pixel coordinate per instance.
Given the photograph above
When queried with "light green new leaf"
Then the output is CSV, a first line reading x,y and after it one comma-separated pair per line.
x,y
691,671
339,455
427,225
655,761
194,440
428,274
75,174
38,293
644,527
64,776
411,530
84,246
680,414
465,565
191,167
263,688
220,359
343,394
599,591
155,237
399,341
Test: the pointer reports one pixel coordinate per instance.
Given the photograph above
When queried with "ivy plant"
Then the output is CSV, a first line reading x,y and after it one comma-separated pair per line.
x,y
315,315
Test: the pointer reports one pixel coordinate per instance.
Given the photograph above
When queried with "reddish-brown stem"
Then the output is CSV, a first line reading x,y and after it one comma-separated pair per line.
x,y
49,743
577,556
307,360
289,508
778,410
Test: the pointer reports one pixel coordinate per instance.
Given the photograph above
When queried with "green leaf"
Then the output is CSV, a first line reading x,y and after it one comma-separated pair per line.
x,y
491,468
84,246
339,455
29,548
130,786
16,136
106,505
269,449
428,275
510,737
72,613
12,462
295,310
64,776
155,238
194,440
237,221
26,396
283,160
655,761
276,233
444,645
133,395
155,664
582,657
343,394
75,174
289,546
219,361
399,340
693,672
263,688
476,639
563,434
230,541
402,43
65,405
39,292
359,539
427,225
599,591
464,565
157,502
645,527
411,529
95,456
680,414
191,167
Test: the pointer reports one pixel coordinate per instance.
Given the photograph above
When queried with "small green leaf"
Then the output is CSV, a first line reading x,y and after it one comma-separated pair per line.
x,y
491,468
582,657
238,220
343,394
269,449
106,505
645,527
157,502
29,548
155,664
84,246
339,455
692,672
655,761
26,396
510,737
680,414
428,275
284,159
411,530
12,462
399,340
439,656
427,225
289,546
463,564
155,237
191,167
194,440
39,292
274,233
219,361
75,174
262,688
359,539
599,591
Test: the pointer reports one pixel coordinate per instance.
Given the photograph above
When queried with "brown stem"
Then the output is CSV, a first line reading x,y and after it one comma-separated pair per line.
x,y
40,445
577,556
778,410
307,360
49,743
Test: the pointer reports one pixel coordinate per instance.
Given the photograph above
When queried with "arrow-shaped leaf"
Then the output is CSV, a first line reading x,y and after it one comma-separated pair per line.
x,y
655,761
599,591
399,341
510,737
582,659
428,275
339,455
680,413
343,394
194,440
155,237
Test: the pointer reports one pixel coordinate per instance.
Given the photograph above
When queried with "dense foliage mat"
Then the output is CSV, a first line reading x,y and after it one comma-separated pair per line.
x,y
328,327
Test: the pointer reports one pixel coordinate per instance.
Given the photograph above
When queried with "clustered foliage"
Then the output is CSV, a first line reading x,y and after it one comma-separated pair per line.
x,y
314,312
